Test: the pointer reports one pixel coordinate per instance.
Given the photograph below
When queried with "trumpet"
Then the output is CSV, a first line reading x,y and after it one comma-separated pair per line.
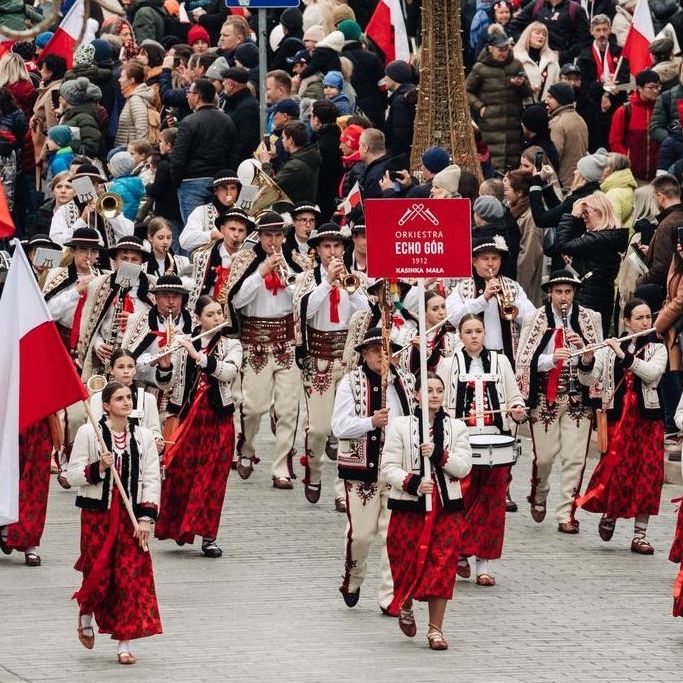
x,y
601,345
349,282
506,300
283,270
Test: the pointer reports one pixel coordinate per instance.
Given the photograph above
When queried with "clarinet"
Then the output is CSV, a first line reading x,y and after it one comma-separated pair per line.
x,y
112,340
573,384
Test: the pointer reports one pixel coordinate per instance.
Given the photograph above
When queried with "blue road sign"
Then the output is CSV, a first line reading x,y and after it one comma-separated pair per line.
x,y
262,4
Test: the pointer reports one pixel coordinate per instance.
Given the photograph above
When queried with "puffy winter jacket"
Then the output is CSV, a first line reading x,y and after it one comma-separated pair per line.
x,y
620,187
84,117
132,190
667,110
133,121
299,176
13,14
148,20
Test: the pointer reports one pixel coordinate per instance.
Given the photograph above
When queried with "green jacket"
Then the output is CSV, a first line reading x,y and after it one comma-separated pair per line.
x,y
84,118
665,113
298,178
620,188
148,21
13,14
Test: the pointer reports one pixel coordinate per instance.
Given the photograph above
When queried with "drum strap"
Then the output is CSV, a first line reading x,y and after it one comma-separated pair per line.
x,y
478,380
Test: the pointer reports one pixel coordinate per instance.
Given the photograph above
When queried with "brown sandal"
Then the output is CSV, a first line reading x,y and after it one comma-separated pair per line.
x,y
486,580
436,639
606,528
125,658
406,622
641,546
463,570
87,641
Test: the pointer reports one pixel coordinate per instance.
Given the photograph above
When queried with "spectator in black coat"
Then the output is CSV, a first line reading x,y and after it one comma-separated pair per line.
x,y
324,58
247,57
243,108
368,71
537,133
398,128
234,32
327,134
206,142
373,154
292,22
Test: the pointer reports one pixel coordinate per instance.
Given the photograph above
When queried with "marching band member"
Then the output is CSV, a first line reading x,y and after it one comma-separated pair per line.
x,y
305,216
430,579
356,254
323,305
200,228
197,465
148,332
441,343
74,215
361,411
118,579
480,388
108,306
65,288
31,247
145,411
627,481
211,262
561,414
503,303
259,305
162,260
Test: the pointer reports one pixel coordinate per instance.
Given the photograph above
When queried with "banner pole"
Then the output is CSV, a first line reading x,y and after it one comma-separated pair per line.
x,y
424,392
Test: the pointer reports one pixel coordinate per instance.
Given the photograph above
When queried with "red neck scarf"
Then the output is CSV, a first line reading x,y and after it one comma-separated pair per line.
x,y
222,274
554,374
76,327
335,297
273,282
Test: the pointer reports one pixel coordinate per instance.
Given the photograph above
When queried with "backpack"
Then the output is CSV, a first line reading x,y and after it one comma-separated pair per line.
x,y
153,126
573,9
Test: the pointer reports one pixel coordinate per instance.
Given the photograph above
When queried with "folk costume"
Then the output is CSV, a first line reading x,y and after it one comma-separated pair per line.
x,y
627,481
560,410
118,580
473,386
468,297
322,314
359,462
202,220
676,552
171,264
411,527
298,251
197,465
441,344
261,310
145,412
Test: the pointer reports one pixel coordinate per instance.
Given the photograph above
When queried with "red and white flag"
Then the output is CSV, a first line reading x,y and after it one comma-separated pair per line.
x,y
6,223
387,29
353,199
65,38
638,39
5,44
37,375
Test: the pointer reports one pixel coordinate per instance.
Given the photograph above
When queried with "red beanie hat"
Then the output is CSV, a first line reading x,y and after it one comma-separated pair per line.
x,y
196,33
351,136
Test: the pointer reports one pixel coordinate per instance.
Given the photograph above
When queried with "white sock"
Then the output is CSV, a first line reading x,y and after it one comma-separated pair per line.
x,y
124,646
86,620
484,567
32,549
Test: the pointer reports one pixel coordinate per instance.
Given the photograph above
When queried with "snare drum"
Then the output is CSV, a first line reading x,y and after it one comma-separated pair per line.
x,y
494,450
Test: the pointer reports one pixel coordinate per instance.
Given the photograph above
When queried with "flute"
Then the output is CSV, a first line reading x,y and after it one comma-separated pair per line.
x,y
429,331
494,412
602,344
154,359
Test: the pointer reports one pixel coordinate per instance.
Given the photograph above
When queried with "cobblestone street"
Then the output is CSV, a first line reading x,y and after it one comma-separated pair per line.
x,y
566,608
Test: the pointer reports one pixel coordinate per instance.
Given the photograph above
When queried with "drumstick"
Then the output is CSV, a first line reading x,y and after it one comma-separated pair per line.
x,y
495,412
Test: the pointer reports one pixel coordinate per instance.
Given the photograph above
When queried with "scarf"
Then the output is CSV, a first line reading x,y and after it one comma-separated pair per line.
x,y
129,90
604,66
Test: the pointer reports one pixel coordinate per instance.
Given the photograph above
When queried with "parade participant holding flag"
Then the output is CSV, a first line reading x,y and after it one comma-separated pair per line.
x,y
118,580
197,463
423,544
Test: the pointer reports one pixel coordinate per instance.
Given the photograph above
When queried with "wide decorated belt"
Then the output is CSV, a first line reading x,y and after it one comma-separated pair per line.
x,y
267,330
326,345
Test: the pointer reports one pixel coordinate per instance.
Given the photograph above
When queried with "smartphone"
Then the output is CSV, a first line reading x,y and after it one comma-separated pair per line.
x,y
679,235
266,142
538,160
176,62
394,175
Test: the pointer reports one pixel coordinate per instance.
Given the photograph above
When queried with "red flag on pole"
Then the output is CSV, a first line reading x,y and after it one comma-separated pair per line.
x,y
638,39
6,223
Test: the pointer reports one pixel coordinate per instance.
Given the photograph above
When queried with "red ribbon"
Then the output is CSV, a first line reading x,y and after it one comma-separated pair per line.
x,y
335,297
162,336
273,283
76,327
222,274
554,374
178,435
397,321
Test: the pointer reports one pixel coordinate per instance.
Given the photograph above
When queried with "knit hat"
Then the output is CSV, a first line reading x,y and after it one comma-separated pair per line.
x,y
167,42
61,135
334,79
43,38
335,41
196,33
562,92
448,179
121,164
102,51
84,55
399,71
342,12
488,208
247,55
218,70
315,33
292,19
662,47
173,8
498,39
435,159
80,91
235,73
287,106
570,68
351,136
350,29
535,118
150,41
592,166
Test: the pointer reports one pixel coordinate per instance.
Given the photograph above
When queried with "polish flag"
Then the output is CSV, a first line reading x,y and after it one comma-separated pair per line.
x,y
640,35
387,29
352,200
65,38
5,44
6,223
37,375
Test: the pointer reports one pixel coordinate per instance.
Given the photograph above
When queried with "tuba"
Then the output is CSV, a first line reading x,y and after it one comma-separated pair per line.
x,y
269,192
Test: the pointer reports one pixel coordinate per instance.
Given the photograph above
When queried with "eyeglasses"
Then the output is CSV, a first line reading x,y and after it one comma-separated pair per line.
x,y
652,86
308,221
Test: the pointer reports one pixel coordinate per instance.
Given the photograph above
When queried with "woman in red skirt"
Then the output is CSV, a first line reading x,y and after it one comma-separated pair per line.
x,y
118,579
198,463
423,546
481,390
35,450
627,481
676,552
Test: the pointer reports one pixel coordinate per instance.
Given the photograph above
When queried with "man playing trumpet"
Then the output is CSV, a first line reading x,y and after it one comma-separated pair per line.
x,y
259,306
324,301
